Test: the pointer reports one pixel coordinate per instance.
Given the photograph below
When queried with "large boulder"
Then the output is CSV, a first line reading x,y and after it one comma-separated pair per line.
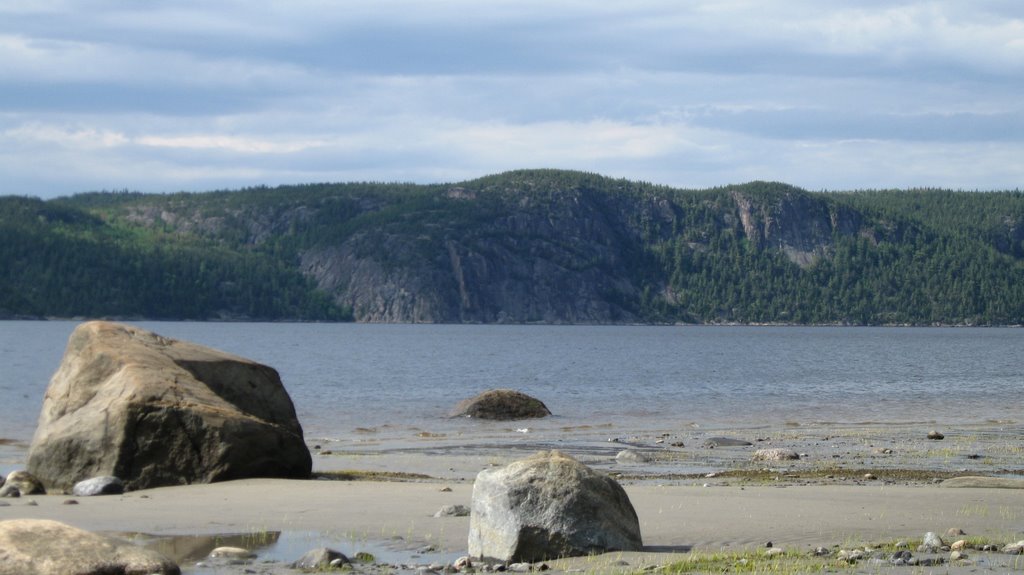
x,y
501,404
44,547
549,506
154,411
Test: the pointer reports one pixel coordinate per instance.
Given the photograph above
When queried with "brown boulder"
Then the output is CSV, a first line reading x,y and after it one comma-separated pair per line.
x,y
44,547
155,411
502,405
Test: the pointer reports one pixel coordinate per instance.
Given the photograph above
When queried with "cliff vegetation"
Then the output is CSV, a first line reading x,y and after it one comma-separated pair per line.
x,y
526,246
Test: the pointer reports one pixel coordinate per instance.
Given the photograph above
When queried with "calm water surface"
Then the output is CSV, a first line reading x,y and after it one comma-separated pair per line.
x,y
401,380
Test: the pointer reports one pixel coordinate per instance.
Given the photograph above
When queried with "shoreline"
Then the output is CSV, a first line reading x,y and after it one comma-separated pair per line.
x,y
396,518
692,500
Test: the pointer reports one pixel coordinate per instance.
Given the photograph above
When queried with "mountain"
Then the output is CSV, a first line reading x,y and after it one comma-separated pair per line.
x,y
525,246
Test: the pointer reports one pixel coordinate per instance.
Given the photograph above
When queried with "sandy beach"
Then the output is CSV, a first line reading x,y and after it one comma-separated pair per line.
x,y
734,505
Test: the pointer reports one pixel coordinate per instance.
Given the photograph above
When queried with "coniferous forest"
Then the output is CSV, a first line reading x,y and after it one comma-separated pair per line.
x,y
520,247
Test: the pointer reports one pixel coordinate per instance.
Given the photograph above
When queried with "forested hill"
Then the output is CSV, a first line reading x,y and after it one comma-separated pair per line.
x,y
525,246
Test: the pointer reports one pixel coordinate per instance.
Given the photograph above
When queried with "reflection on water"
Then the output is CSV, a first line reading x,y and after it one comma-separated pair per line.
x,y
188,549
191,552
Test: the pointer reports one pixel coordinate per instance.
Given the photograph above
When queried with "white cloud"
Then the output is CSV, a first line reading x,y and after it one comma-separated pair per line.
x,y
199,94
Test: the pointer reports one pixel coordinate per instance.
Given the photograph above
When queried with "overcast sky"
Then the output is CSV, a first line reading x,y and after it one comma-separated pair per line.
x,y
211,94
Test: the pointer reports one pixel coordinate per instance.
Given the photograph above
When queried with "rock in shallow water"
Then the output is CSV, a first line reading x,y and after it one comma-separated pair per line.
x,y
322,558
501,405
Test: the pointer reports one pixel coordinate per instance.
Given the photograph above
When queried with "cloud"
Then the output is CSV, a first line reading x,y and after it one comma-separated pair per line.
x,y
197,94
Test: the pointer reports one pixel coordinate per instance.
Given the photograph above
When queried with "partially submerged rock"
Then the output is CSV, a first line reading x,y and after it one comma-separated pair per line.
x,y
154,411
501,405
321,559
549,506
43,547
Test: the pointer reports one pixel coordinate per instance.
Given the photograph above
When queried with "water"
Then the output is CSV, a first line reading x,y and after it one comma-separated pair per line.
x,y
394,383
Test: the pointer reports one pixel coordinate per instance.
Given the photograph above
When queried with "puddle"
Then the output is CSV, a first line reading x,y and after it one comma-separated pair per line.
x,y
190,552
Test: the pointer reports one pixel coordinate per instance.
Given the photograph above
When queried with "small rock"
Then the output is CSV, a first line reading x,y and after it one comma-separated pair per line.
x,y
775,454
1014,548
462,563
445,490
520,567
932,543
935,435
773,551
713,442
364,557
320,558
105,485
959,545
955,532
632,456
453,511
957,556
231,553
821,552
678,444
9,491
870,476
900,557
26,483
70,502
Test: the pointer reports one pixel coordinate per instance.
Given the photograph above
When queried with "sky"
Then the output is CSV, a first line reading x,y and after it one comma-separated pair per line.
x,y
196,95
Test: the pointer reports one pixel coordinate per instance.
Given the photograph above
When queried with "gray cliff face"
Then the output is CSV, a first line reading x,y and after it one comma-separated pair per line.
x,y
524,250
565,262
801,226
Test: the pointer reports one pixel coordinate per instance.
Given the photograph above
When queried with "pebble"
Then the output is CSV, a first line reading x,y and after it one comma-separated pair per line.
x,y
935,435
959,545
957,556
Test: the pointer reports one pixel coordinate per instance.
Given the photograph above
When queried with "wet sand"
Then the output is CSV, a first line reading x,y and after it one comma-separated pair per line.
x,y
797,505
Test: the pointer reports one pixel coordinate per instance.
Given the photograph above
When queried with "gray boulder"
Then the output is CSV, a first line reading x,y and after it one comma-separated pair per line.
x,y
321,559
155,411
105,485
501,405
43,547
549,506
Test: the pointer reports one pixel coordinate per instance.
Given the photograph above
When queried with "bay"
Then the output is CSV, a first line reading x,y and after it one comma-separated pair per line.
x,y
393,383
